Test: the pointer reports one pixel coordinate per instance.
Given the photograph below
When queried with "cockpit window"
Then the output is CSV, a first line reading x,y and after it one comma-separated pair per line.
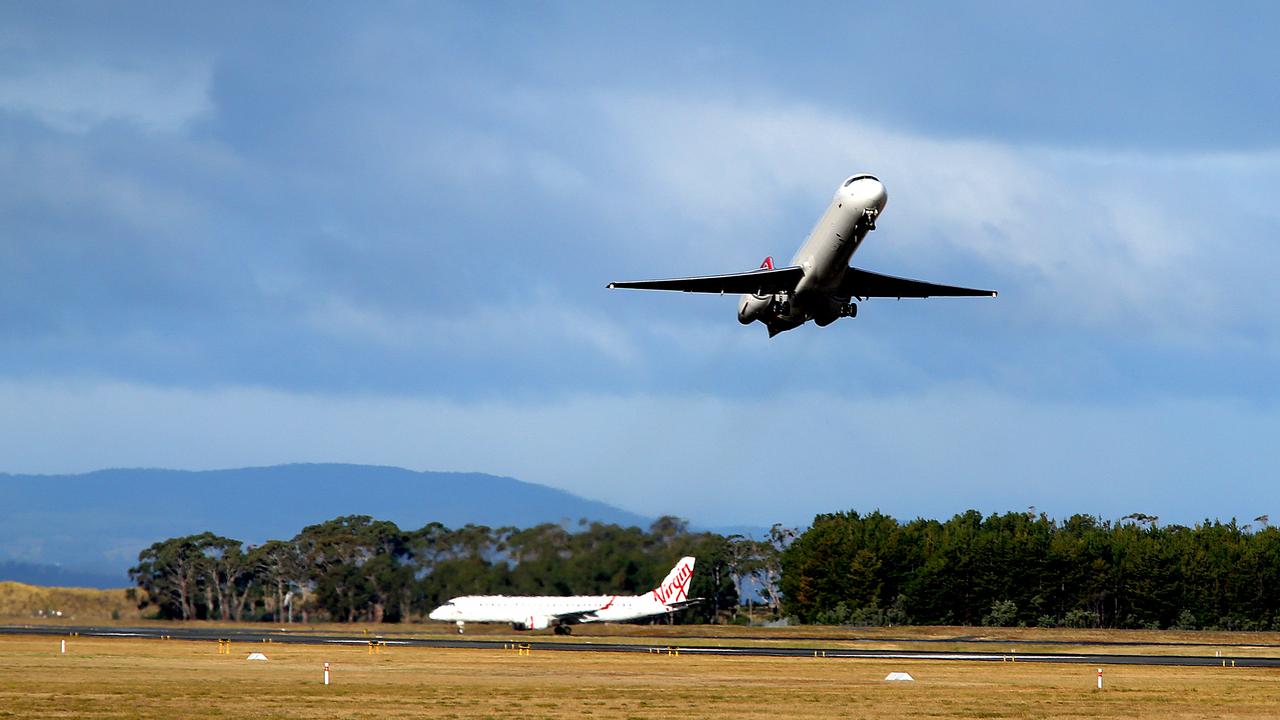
x,y
856,178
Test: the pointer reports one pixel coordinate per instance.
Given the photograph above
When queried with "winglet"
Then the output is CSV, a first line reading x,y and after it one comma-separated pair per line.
x,y
767,264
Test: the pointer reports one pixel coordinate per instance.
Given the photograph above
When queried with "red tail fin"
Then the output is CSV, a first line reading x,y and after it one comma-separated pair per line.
x,y
767,264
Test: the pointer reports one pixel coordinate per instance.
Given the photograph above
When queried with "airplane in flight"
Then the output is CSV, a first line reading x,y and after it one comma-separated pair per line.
x,y
558,613
818,285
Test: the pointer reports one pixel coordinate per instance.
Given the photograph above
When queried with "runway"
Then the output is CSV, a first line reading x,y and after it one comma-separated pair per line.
x,y
248,635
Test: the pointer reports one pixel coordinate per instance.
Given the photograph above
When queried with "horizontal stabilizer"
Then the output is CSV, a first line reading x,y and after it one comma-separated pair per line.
x,y
864,284
765,281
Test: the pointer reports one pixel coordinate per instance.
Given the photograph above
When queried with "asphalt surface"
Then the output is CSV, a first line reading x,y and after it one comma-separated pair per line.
x,y
248,635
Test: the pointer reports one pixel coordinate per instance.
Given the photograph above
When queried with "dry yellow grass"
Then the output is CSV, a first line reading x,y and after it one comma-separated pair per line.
x,y
22,602
101,678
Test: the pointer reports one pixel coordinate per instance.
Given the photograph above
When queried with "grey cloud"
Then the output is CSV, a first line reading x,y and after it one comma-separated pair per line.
x,y
358,213
78,98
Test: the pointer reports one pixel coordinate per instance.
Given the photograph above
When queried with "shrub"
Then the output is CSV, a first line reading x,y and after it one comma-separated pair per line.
x,y
1186,621
1004,613
1080,619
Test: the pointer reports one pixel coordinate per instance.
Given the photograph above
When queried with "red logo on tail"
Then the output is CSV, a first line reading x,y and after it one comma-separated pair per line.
x,y
767,264
676,588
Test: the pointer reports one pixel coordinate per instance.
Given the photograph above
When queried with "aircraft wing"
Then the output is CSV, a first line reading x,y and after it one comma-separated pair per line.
x,y
578,616
757,282
586,616
864,284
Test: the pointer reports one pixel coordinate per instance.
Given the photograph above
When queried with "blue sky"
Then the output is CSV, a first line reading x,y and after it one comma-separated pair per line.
x,y
382,234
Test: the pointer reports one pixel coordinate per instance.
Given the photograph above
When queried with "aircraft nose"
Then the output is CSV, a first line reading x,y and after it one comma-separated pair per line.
x,y
867,191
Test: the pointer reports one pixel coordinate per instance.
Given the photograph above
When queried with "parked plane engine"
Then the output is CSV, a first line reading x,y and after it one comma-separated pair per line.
x,y
535,622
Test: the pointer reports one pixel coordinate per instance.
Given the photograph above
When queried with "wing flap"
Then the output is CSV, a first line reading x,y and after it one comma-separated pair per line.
x,y
576,616
863,284
765,281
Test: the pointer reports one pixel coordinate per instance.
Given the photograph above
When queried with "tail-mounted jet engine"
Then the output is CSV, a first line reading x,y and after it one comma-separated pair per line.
x,y
837,309
763,307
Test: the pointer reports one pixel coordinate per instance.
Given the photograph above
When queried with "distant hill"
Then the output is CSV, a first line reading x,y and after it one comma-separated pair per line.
x,y
22,601
97,522
51,575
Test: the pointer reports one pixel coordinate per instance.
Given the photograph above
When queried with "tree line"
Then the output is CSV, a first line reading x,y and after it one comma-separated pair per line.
x,y
846,569
1026,569
357,568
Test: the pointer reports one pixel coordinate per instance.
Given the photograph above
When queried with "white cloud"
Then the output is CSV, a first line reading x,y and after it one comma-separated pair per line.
x,y
1127,244
538,320
77,98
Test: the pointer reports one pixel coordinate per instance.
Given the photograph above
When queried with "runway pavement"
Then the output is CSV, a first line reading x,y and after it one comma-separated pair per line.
x,y
250,635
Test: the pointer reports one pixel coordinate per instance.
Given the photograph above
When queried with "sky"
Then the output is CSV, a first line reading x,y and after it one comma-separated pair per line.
x,y
270,233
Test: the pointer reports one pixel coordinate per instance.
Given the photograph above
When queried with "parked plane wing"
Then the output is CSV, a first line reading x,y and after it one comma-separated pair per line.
x,y
757,282
576,616
864,284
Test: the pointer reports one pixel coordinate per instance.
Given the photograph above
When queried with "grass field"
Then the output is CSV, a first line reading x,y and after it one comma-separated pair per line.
x,y
942,638
100,678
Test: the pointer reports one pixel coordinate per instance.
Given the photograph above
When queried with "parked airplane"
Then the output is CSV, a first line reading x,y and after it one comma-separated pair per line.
x,y
818,285
539,613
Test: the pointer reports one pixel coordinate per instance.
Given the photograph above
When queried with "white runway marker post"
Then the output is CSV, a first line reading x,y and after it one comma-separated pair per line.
x,y
326,674
64,647
1099,678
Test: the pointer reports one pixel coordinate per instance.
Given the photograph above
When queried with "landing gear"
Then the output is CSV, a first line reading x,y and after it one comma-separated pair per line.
x,y
461,626
562,630
869,219
849,310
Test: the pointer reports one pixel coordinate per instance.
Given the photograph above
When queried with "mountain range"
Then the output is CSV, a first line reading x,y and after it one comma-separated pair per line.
x,y
87,529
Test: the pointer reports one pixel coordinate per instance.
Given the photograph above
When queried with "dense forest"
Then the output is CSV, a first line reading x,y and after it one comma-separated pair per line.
x,y
356,568
847,569
1024,568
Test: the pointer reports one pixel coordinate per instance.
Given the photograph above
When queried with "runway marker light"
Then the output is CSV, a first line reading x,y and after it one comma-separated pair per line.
x,y
1099,678
326,673
64,647
224,646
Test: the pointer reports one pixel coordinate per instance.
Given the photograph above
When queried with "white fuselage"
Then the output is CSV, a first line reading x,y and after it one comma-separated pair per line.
x,y
537,612
824,257
543,611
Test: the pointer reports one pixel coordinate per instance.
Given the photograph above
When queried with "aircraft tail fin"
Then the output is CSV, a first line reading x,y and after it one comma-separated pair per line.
x,y
767,264
675,587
